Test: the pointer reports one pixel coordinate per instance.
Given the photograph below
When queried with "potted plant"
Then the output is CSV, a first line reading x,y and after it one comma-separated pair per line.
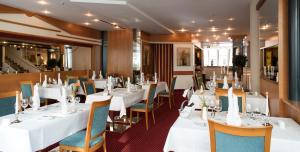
x,y
239,62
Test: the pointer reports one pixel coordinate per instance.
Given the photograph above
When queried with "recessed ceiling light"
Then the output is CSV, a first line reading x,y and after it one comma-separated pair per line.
x,y
182,30
211,20
231,19
42,2
199,30
207,40
87,23
117,27
229,29
96,20
88,14
193,21
114,23
46,12
214,29
197,34
225,33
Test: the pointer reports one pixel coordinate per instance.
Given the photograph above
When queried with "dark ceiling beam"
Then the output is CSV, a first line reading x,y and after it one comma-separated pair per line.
x,y
259,4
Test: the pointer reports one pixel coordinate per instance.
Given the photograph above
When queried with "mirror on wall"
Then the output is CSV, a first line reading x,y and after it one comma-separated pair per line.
x,y
268,36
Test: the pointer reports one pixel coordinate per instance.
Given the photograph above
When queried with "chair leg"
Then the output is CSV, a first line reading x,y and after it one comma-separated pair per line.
x,y
130,118
104,145
153,116
61,150
146,117
170,103
137,116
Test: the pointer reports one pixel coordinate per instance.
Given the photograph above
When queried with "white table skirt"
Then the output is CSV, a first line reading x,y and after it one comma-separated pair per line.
x,y
120,101
193,136
100,83
161,87
38,131
256,102
55,92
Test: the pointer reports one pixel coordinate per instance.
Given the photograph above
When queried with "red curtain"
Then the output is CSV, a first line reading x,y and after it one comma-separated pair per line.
x,y
163,60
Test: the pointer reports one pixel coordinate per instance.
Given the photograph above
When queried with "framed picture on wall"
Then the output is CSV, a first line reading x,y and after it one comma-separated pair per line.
x,y
183,57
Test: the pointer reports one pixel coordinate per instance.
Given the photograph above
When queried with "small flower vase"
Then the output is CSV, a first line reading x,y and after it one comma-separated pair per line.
x,y
204,113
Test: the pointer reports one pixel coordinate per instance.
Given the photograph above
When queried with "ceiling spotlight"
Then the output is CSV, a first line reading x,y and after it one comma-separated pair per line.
x,y
193,21
199,30
197,34
213,29
4,42
229,29
114,23
182,30
96,20
231,19
42,2
225,33
46,12
88,14
207,40
211,20
87,23
117,27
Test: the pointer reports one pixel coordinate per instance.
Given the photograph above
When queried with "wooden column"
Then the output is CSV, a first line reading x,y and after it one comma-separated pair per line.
x,y
283,55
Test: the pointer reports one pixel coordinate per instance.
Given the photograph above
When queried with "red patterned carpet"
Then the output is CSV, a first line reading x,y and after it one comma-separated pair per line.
x,y
137,139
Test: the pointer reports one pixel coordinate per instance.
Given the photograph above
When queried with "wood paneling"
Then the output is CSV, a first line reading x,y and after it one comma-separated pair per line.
x,y
147,60
66,26
170,38
183,72
120,52
292,109
11,82
272,88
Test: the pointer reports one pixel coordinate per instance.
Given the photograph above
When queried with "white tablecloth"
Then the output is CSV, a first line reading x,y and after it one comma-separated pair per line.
x,y
161,87
41,129
100,83
256,102
55,92
121,99
192,135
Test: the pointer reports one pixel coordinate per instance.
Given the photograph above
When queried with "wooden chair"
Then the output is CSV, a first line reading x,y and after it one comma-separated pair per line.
x,y
26,89
222,95
83,79
225,138
72,79
220,83
145,107
7,102
93,137
89,87
169,94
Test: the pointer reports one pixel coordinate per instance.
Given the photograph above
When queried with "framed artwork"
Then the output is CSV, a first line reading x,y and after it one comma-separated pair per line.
x,y
183,57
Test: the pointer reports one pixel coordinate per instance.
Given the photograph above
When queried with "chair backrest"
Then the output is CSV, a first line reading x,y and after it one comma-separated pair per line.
x,y
173,82
220,83
151,94
225,138
26,88
89,87
97,121
195,83
83,79
72,79
7,102
222,95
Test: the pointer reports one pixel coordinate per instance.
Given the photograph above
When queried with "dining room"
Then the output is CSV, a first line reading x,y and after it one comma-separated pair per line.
x,y
140,75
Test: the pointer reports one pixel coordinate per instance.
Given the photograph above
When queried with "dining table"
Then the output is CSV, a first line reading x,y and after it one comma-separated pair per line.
x,y
54,91
191,133
42,128
160,87
121,98
255,102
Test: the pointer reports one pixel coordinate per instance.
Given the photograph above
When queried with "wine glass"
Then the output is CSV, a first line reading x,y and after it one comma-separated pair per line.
x,y
218,106
77,100
30,102
24,103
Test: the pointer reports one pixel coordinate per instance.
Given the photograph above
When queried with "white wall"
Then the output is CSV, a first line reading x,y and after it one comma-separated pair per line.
x,y
81,58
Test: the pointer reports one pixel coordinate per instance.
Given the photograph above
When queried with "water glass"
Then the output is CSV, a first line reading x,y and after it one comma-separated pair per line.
x,y
30,102
24,104
77,100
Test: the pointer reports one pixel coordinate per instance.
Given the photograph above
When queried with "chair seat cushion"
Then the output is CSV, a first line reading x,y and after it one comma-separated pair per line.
x,y
78,140
141,106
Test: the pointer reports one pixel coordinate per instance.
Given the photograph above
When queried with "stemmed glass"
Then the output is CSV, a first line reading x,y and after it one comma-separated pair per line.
x,y
218,106
30,102
24,104
77,100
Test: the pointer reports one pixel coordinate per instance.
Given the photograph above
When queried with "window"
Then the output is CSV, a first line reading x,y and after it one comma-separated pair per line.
x,y
218,54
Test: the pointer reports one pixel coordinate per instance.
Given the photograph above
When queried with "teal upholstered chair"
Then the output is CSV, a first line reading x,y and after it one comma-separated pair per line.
x,y
89,87
225,138
26,89
222,95
82,80
169,94
7,102
93,137
72,79
220,83
146,106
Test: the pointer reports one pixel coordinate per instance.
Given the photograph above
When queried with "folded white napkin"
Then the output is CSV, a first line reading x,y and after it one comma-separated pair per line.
x,y
142,78
100,75
36,97
59,81
185,92
45,82
155,77
17,103
201,89
94,75
233,117
267,104
214,76
225,84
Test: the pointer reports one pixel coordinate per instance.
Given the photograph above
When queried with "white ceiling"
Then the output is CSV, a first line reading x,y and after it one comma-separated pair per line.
x,y
152,16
